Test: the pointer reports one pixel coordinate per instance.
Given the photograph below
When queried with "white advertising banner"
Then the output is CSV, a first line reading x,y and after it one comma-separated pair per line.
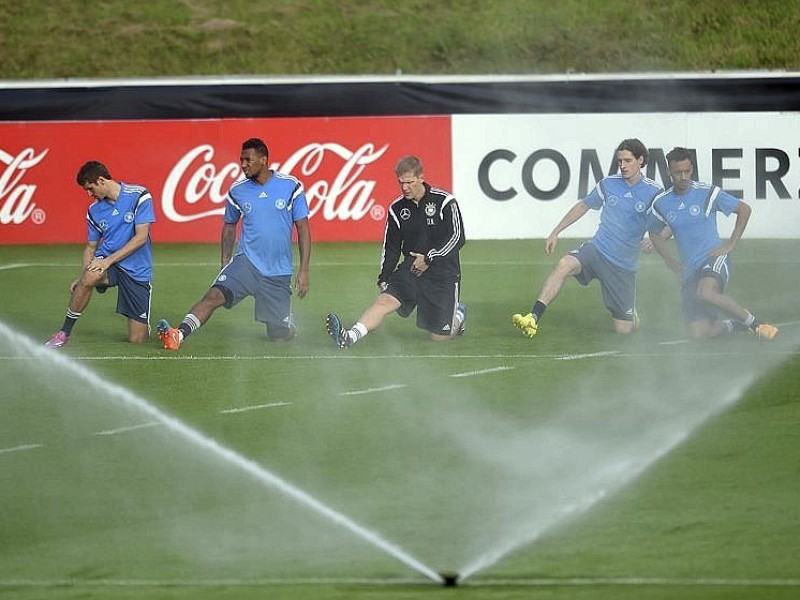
x,y
515,176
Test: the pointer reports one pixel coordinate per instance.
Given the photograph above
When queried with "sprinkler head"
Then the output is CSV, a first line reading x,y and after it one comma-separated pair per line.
x,y
449,578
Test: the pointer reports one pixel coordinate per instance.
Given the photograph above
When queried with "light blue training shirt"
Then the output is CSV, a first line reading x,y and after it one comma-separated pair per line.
x,y
693,219
268,213
624,218
113,223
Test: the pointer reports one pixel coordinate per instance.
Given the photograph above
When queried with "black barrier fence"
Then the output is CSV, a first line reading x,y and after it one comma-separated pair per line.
x,y
401,95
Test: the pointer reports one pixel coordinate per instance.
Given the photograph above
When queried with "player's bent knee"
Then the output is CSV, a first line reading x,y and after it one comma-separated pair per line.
x,y
437,337
624,327
567,266
284,335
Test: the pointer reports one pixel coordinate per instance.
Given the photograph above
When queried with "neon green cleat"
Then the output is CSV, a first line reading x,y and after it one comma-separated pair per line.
x,y
526,324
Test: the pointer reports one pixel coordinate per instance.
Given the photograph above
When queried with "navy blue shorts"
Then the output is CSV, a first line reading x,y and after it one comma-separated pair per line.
x,y
133,297
695,309
618,285
239,279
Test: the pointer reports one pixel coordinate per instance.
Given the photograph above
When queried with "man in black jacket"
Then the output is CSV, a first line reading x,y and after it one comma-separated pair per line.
x,y
420,267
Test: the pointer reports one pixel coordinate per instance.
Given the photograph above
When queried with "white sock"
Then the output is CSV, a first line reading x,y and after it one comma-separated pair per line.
x,y
357,331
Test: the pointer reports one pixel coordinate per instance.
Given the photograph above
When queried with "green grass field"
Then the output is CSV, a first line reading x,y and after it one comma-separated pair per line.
x,y
578,464
301,37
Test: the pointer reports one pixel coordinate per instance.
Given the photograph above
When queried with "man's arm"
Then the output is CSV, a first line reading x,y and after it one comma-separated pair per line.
x,y
304,246
391,249
579,209
139,239
454,242
743,212
662,247
87,258
226,242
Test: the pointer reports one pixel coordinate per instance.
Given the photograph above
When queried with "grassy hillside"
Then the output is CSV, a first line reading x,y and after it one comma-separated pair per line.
x,y
116,38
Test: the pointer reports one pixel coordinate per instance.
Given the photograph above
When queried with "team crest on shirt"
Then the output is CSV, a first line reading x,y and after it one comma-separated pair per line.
x,y
247,208
430,209
640,206
128,217
405,214
280,203
612,200
103,225
694,210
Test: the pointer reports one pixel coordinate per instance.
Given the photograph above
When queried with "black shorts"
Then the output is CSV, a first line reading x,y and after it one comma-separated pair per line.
x,y
435,298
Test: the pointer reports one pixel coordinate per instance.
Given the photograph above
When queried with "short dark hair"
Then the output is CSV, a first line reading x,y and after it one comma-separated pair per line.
x,y
678,154
635,147
91,172
256,144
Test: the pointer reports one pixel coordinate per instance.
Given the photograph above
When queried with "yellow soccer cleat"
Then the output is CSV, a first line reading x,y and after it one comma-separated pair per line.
x,y
526,324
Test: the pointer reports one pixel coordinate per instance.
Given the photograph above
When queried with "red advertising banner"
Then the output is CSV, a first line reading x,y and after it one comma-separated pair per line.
x,y
346,166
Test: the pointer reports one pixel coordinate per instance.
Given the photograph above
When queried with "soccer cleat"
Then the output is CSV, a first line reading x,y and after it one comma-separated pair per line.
x,y
335,329
169,336
526,324
58,340
765,331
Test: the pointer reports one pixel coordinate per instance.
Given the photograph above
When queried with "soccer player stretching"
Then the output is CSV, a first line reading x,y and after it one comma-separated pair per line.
x,y
688,210
269,204
612,255
424,234
118,252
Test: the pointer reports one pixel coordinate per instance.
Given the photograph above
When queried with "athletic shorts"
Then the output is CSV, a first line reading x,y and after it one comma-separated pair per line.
x,y
434,298
133,297
617,284
695,309
273,295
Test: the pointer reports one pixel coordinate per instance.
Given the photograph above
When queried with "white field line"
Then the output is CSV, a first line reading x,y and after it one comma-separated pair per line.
x,y
241,409
385,388
14,266
675,342
202,583
129,428
481,371
639,582
21,448
366,581
688,341
763,348
534,260
589,355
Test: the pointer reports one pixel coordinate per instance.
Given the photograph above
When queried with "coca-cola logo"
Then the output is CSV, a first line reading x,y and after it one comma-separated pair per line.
x,y
16,198
346,196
